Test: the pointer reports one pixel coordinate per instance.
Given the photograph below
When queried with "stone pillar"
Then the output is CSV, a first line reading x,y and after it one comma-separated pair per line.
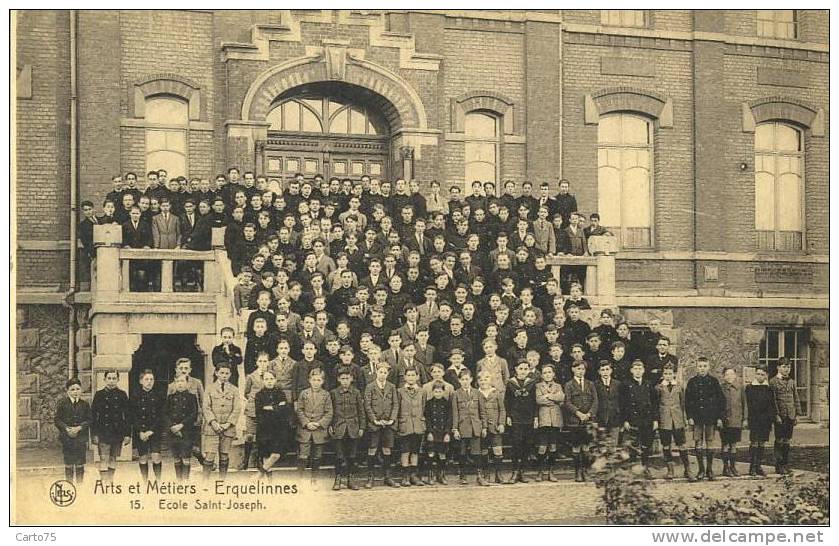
x,y
407,155
205,343
242,139
606,281
820,375
107,240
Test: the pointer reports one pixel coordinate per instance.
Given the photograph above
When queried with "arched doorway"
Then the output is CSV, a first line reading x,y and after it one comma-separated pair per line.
x,y
327,128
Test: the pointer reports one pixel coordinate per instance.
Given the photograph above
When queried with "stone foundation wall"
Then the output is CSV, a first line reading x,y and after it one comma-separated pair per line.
x,y
733,336
42,346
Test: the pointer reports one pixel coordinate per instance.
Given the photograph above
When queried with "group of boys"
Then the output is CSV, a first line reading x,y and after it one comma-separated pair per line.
x,y
340,278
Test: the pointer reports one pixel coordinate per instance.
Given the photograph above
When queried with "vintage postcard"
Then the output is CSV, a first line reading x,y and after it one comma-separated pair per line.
x,y
420,267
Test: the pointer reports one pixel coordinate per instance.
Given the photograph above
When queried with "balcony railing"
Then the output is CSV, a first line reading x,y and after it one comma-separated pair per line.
x,y
599,284
144,275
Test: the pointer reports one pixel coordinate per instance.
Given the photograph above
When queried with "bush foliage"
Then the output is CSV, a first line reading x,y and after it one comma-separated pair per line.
x,y
629,499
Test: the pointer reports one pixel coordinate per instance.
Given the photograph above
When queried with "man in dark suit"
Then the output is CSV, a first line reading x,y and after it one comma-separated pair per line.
x,y
189,219
86,229
608,400
136,233
419,241
655,362
566,203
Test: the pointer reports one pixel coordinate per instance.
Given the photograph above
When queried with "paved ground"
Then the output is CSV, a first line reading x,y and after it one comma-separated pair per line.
x,y
564,502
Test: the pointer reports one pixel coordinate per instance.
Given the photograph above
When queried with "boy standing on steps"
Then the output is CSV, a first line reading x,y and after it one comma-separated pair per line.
x,y
787,402
704,406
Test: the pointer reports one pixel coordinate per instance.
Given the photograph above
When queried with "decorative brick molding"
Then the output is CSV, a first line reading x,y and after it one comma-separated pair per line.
x,y
167,84
785,109
399,102
259,48
633,99
482,100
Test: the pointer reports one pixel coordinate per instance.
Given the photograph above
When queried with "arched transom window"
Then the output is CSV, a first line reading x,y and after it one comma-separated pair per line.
x,y
325,115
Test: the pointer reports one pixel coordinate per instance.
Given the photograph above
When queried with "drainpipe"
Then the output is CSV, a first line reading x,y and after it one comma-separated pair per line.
x,y
71,349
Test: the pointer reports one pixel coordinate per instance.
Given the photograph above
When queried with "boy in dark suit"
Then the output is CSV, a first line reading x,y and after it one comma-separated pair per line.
x,y
347,428
704,405
787,404
580,411
72,419
608,401
639,408
520,403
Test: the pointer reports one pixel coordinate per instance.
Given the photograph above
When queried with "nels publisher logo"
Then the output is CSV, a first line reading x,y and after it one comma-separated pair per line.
x,y
62,493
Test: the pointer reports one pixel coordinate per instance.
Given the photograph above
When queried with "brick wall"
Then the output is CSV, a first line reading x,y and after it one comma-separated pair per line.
x,y
673,147
42,138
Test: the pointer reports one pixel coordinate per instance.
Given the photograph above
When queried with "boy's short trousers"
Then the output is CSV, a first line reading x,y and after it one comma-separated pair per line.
x,y
492,440
642,435
520,434
410,443
307,448
109,448
216,443
250,425
578,435
669,437
74,451
181,446
471,446
704,433
346,447
759,432
440,448
731,435
382,438
152,445
547,436
783,430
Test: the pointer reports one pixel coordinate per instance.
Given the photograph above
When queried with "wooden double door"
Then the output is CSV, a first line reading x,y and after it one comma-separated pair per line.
x,y
285,156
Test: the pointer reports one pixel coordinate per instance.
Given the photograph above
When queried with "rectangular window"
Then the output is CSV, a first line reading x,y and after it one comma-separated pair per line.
x,y
777,23
623,18
779,187
792,344
624,178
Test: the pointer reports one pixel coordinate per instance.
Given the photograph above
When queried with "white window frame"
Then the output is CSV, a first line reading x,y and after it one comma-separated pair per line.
x,y
623,16
800,155
496,140
167,127
620,230
771,17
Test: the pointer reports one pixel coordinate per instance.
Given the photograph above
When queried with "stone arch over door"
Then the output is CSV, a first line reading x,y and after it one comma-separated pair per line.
x,y
398,102
404,111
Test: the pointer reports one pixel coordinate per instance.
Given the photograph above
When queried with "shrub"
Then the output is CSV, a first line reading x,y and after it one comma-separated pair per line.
x,y
629,499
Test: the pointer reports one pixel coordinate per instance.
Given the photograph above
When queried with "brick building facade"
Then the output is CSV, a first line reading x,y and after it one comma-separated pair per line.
x,y
722,101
